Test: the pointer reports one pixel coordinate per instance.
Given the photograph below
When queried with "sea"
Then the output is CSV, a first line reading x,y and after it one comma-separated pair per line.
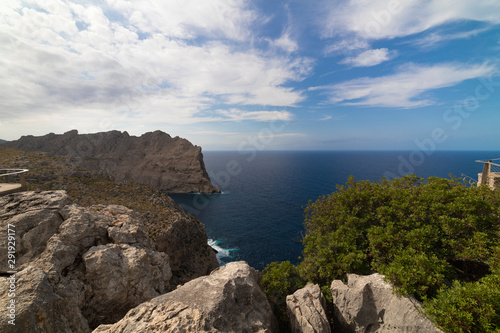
x,y
259,215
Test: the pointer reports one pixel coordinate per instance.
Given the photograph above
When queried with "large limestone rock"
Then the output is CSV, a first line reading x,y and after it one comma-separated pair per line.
x,y
77,267
37,307
170,164
367,304
306,310
228,300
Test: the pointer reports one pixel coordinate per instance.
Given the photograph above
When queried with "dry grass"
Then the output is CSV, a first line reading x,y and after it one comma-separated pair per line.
x,y
88,188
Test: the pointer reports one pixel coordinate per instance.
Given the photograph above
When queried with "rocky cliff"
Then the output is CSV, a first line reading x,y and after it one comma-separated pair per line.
x,y
81,267
171,164
228,300
78,269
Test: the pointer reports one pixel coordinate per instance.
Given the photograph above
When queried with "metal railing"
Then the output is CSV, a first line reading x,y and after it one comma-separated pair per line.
x,y
489,168
490,161
12,172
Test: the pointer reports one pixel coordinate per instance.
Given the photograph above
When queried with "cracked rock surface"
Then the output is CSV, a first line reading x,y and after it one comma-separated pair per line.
x,y
368,304
306,310
228,300
76,267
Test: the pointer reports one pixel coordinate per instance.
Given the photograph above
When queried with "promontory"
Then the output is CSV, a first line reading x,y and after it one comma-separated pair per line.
x,y
173,165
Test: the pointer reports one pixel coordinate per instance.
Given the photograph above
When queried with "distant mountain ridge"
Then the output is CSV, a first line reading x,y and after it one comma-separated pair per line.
x,y
173,165
2,141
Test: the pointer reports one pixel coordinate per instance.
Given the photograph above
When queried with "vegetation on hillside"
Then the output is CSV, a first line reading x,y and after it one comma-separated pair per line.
x,y
88,188
436,239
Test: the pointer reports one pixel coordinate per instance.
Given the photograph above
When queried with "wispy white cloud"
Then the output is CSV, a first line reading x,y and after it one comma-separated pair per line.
x,y
239,115
435,38
223,133
326,118
286,43
347,46
404,88
381,19
188,19
285,135
244,135
370,58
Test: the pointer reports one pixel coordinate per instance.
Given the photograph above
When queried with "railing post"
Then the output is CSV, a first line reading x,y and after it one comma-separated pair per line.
x,y
486,172
23,181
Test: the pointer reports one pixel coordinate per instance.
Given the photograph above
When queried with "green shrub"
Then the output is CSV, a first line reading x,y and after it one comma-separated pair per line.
x,y
436,239
279,280
468,306
420,234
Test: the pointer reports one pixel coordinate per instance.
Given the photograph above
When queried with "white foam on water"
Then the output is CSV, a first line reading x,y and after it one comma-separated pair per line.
x,y
221,252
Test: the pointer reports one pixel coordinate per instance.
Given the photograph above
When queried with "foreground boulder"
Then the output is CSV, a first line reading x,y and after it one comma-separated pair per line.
x,y
170,164
306,310
368,304
76,267
228,300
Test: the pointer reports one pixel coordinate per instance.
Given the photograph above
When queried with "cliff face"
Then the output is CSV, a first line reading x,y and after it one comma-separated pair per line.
x,y
76,267
79,267
171,164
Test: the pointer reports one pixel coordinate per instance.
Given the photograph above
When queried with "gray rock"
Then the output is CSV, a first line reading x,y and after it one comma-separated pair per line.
x,y
306,310
121,277
77,267
228,300
34,218
185,242
171,164
368,304
37,307
32,201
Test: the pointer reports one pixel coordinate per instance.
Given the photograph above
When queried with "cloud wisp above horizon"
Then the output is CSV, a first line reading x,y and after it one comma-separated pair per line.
x,y
403,89
190,67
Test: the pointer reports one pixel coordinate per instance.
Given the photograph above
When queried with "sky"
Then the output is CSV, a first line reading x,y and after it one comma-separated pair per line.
x,y
263,74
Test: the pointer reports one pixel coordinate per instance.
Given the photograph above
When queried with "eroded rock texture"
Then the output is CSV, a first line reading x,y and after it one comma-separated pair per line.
x,y
77,267
368,304
306,310
228,300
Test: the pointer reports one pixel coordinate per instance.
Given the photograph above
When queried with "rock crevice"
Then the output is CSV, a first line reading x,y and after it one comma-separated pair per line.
x,y
368,304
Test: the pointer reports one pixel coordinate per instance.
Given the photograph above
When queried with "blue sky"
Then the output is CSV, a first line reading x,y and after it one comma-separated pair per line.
x,y
236,74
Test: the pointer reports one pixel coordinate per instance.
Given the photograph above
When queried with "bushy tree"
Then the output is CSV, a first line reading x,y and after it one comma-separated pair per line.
x,y
420,233
437,239
468,306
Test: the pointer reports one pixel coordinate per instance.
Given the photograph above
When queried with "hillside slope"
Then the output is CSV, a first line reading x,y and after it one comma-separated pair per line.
x,y
170,164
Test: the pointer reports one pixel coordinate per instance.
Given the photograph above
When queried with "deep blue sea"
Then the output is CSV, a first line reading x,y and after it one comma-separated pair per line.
x,y
258,217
